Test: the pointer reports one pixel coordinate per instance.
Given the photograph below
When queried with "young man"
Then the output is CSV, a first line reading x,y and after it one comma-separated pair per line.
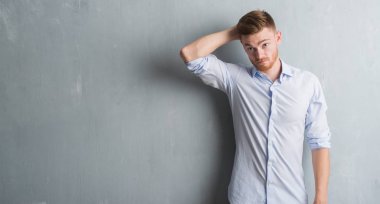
x,y
274,105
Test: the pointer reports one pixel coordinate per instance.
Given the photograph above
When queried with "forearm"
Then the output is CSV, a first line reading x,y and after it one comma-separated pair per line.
x,y
208,44
321,166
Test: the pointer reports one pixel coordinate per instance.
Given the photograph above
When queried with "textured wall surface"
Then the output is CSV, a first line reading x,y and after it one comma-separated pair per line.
x,y
96,105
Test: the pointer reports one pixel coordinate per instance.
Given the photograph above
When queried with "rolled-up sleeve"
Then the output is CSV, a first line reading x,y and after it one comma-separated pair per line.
x,y
316,126
211,71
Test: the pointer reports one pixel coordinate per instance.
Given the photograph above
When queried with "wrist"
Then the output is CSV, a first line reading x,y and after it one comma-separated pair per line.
x,y
233,33
320,198
321,192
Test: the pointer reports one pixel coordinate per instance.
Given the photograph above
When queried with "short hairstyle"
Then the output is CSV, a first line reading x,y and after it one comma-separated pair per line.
x,y
254,21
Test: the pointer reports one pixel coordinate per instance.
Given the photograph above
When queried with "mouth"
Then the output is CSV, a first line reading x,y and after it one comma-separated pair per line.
x,y
261,61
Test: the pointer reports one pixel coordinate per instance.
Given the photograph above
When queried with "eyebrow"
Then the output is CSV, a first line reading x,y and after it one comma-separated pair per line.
x,y
258,43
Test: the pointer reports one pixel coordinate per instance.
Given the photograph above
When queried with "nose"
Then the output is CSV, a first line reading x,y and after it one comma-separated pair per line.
x,y
259,54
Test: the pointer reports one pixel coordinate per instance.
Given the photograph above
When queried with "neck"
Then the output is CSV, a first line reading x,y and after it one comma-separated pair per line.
x,y
274,72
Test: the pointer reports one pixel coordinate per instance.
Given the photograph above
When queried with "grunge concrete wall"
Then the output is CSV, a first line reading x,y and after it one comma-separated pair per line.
x,y
96,105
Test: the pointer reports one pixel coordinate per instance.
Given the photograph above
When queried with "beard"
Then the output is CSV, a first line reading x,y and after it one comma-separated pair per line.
x,y
265,63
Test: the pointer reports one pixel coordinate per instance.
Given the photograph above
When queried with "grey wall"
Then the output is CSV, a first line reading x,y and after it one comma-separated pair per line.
x,y
97,107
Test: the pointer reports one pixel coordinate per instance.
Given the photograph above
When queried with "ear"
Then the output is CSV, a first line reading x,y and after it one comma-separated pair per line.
x,y
278,37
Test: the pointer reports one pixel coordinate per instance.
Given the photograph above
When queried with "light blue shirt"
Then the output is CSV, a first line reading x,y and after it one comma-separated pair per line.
x,y
271,120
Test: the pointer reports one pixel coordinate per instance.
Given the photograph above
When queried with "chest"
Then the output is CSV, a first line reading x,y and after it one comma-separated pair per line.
x,y
286,102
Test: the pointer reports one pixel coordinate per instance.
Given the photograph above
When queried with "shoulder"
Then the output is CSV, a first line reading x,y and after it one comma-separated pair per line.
x,y
303,74
233,68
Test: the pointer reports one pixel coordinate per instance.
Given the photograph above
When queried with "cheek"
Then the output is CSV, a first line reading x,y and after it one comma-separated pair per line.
x,y
271,52
249,54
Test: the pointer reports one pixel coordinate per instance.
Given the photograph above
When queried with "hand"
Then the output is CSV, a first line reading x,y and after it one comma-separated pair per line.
x,y
234,33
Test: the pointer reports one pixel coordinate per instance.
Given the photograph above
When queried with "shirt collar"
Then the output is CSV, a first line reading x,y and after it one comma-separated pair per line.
x,y
285,70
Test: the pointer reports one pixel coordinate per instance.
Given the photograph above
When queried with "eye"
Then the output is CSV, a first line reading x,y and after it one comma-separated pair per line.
x,y
265,45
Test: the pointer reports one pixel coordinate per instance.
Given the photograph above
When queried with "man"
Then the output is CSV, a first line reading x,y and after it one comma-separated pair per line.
x,y
274,106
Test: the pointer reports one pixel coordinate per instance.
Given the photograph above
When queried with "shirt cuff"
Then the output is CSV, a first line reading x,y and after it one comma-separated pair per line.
x,y
319,143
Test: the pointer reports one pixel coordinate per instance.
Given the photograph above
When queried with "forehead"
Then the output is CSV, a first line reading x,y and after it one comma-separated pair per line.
x,y
266,33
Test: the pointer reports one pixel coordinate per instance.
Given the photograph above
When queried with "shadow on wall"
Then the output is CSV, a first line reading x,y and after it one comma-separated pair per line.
x,y
171,68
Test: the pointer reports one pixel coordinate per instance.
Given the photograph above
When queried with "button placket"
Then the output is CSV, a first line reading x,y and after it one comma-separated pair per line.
x,y
269,183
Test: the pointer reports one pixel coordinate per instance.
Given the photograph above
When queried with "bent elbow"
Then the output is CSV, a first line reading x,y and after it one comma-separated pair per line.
x,y
184,53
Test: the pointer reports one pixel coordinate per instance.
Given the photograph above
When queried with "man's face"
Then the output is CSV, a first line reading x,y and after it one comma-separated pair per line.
x,y
262,48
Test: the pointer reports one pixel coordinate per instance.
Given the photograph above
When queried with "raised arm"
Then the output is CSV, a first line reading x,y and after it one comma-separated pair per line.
x,y
207,44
